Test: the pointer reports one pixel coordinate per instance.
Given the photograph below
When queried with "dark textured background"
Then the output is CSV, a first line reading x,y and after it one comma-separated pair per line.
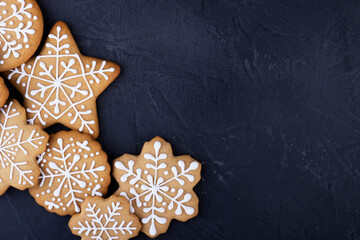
x,y
264,93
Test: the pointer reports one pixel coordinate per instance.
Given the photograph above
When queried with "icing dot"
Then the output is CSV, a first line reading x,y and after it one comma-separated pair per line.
x,y
8,36
74,183
35,17
1,61
86,156
46,115
136,185
48,191
96,180
58,179
61,204
37,195
97,153
166,172
90,184
24,84
24,182
172,190
101,179
91,81
65,186
53,199
64,209
69,114
89,189
73,144
27,46
67,51
31,177
29,66
76,168
78,176
49,52
145,204
42,165
146,171
59,199
87,66
42,193
4,12
80,150
74,150
86,194
11,23
91,154
164,203
71,139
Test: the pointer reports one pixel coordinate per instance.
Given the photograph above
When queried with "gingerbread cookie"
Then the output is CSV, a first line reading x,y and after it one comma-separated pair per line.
x,y
20,143
73,167
4,92
105,219
158,185
61,85
21,29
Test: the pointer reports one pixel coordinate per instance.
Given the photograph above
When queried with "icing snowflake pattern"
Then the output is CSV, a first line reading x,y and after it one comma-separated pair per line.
x,y
18,21
159,186
112,221
19,145
61,86
69,172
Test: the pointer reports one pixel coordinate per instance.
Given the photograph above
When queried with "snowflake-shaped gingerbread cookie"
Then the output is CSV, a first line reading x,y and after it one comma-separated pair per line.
x,y
105,219
20,143
158,185
73,167
21,29
4,92
61,85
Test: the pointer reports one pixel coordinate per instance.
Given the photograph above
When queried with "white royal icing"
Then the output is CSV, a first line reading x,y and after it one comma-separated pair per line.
x,y
75,180
65,84
12,44
104,224
14,142
149,189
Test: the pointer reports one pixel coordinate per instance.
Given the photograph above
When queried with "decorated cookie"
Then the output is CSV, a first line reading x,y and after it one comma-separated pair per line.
x,y
21,29
61,85
105,219
20,143
73,167
4,92
158,185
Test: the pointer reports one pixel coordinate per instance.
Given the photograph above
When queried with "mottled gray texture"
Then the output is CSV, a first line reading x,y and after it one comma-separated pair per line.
x,y
265,94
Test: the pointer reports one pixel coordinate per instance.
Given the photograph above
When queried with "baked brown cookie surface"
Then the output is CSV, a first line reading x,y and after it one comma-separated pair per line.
x,y
105,219
158,185
21,30
61,85
73,167
20,143
4,92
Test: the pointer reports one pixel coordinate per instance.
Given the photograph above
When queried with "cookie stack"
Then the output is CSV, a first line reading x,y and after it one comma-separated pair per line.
x,y
68,172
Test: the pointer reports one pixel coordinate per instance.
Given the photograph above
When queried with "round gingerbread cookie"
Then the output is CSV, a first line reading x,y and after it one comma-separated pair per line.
x,y
61,85
20,143
104,219
21,30
4,92
73,167
158,185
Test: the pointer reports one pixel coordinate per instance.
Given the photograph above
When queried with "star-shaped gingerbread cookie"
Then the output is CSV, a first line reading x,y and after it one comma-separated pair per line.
x,y
61,85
